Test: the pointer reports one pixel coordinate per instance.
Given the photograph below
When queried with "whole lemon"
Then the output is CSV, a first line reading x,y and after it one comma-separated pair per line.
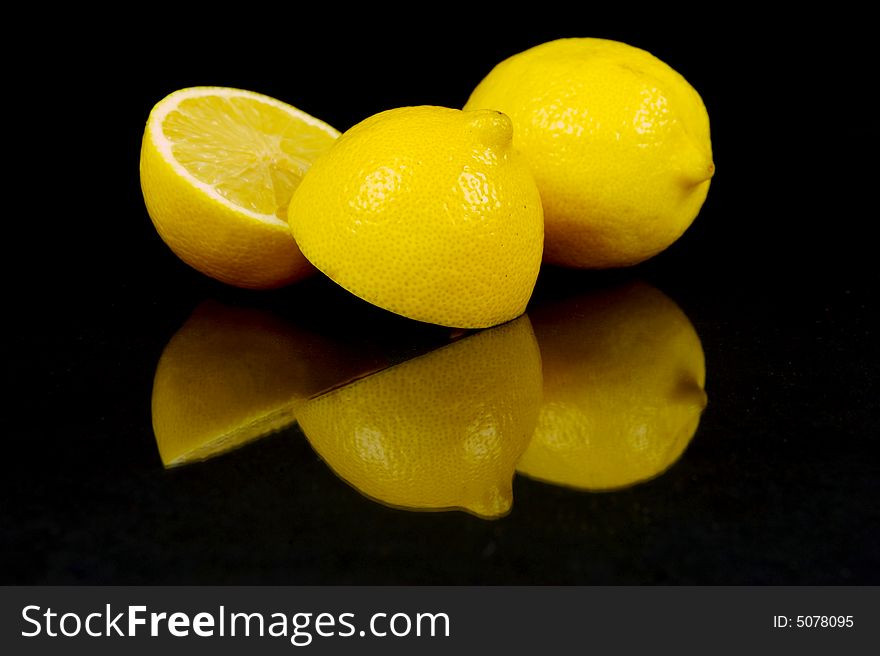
x,y
624,374
426,212
618,143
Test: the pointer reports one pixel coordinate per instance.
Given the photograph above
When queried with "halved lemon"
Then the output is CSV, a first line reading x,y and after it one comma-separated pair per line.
x,y
218,169
441,431
233,375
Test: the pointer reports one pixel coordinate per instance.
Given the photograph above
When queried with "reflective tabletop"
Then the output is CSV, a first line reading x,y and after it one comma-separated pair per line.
x,y
709,416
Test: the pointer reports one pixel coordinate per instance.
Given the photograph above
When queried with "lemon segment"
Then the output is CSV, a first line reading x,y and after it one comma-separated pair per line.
x,y
440,431
426,212
218,168
624,378
618,143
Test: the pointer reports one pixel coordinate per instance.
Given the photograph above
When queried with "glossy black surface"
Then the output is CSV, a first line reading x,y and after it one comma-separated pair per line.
x,y
778,276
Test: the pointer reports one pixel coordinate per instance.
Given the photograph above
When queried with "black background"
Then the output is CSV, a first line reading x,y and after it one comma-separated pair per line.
x,y
778,276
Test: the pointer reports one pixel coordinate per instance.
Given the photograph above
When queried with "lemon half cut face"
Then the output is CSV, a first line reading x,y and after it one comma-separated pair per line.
x,y
218,169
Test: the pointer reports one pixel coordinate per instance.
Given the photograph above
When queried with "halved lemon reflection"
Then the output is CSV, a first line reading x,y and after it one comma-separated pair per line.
x,y
232,375
440,431
623,388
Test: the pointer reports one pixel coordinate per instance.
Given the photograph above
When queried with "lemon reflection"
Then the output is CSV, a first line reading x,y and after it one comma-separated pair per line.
x,y
441,431
231,375
623,388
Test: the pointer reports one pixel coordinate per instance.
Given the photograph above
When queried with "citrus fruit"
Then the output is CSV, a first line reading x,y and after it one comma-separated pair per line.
x,y
232,375
426,212
218,167
441,431
618,143
623,388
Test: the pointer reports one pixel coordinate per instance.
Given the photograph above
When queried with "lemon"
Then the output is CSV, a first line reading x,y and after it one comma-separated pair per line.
x,y
623,389
440,431
617,140
218,167
426,212
232,375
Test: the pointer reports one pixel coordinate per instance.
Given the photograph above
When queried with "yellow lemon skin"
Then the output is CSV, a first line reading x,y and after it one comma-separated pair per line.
x,y
441,431
623,389
426,212
232,375
217,167
618,143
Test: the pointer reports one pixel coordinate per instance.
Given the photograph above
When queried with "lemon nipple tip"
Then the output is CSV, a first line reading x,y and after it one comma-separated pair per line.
x,y
493,128
696,174
495,502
